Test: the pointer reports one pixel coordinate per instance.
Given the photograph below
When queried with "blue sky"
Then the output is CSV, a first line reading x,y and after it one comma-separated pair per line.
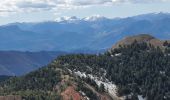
x,y
47,10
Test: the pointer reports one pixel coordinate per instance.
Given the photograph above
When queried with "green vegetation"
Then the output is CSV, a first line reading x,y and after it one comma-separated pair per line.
x,y
139,69
166,44
36,85
81,87
136,69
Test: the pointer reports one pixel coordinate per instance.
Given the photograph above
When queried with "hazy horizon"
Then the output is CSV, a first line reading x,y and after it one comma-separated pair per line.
x,y
80,18
49,10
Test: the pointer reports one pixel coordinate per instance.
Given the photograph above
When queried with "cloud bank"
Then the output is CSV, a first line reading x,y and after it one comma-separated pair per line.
x,y
14,6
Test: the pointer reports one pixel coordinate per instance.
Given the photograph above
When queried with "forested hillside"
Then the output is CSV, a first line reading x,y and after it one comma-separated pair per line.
x,y
137,69
129,72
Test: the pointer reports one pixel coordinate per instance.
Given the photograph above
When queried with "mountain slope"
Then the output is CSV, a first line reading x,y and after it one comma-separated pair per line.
x,y
140,38
138,70
59,83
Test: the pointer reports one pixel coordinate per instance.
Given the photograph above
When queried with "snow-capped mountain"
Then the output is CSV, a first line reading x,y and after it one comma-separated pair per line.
x,y
74,18
72,33
66,18
94,18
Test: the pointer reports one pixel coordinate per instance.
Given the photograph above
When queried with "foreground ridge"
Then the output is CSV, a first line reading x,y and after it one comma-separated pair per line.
x,y
137,71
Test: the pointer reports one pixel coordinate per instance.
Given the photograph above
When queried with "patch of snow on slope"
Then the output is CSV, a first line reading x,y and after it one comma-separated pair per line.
x,y
141,98
66,18
78,73
118,54
109,86
94,18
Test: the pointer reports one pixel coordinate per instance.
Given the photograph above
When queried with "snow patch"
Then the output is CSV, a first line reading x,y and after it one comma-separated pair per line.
x,y
118,54
94,18
109,86
66,18
140,97
78,73
83,94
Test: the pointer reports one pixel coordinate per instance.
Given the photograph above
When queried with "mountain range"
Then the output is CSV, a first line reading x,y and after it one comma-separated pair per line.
x,y
92,35
72,33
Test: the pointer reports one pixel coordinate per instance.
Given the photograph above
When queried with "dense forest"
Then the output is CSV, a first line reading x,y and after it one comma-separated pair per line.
x,y
33,86
136,69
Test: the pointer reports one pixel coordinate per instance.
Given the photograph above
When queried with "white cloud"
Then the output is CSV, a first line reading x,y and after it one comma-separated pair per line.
x,y
139,1
13,6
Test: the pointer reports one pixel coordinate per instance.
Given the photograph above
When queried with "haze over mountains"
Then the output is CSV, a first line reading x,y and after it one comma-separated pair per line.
x,y
72,34
16,63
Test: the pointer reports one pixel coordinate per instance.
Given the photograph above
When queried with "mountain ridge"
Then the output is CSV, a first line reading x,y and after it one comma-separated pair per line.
x,y
93,35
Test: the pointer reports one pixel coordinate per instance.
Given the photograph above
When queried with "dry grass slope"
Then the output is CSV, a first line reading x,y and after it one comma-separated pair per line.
x,y
140,38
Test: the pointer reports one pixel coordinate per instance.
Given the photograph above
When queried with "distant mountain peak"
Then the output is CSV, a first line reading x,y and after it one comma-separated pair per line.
x,y
153,16
74,18
160,13
94,18
66,18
